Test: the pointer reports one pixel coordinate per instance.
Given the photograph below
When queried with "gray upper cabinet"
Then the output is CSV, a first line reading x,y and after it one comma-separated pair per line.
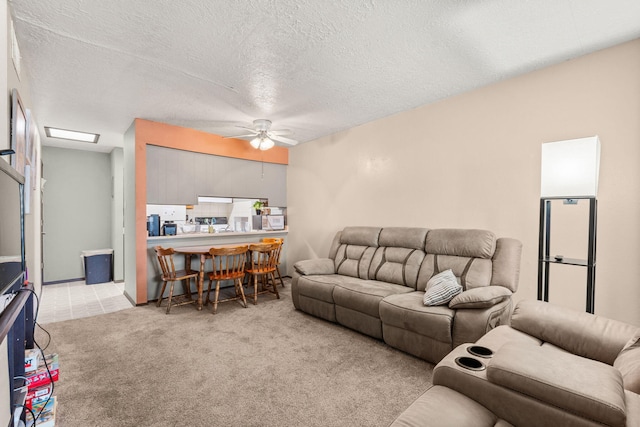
x,y
179,177
153,184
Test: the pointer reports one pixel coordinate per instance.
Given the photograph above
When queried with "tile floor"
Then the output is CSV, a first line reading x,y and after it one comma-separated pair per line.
x,y
73,300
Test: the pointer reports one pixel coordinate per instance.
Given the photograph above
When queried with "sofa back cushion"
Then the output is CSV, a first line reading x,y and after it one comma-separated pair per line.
x,y
355,250
587,335
399,256
467,253
461,242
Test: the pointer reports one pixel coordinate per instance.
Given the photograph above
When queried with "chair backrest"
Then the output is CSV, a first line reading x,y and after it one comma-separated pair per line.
x,y
275,240
272,239
264,256
165,259
228,262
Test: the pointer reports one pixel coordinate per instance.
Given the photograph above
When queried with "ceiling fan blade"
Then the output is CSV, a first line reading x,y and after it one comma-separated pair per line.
x,y
248,128
242,136
282,139
282,132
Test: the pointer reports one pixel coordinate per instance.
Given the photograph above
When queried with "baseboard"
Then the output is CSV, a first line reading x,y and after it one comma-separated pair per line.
x,y
57,282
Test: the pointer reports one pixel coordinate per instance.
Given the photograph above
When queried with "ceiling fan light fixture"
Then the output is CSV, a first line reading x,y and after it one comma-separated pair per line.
x,y
255,142
266,144
262,142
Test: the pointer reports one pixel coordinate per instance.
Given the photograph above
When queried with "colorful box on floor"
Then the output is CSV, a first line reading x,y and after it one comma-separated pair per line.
x,y
31,360
38,395
52,361
48,416
41,377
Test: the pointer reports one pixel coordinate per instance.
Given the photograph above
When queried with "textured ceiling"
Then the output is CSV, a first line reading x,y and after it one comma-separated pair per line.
x,y
313,67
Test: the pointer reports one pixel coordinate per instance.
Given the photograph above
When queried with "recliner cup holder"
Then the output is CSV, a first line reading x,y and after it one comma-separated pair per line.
x,y
470,363
480,351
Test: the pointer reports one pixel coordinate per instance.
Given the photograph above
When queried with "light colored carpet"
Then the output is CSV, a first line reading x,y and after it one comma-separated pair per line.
x,y
266,365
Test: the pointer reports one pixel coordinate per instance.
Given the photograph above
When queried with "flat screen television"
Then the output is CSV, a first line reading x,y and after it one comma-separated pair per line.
x,y
12,259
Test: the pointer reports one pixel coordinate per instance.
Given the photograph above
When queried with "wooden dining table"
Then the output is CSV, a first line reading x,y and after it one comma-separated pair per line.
x,y
203,252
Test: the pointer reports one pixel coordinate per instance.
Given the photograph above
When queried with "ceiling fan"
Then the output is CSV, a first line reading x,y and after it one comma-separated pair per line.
x,y
264,136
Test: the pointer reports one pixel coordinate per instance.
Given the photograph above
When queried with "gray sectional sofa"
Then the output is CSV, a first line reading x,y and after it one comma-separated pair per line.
x,y
551,367
374,282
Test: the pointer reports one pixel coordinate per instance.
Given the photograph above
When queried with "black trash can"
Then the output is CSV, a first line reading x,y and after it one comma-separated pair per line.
x,y
98,266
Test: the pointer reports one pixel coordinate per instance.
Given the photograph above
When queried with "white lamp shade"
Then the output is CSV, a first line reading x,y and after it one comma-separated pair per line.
x,y
570,168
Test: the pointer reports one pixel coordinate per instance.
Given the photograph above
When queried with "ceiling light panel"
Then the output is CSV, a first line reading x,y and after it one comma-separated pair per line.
x,y
71,135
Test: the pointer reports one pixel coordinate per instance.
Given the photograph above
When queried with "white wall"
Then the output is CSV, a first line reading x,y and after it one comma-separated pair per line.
x,y
117,212
473,161
129,179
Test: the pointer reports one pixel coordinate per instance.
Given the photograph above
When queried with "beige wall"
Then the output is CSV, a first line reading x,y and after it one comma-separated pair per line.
x,y
473,161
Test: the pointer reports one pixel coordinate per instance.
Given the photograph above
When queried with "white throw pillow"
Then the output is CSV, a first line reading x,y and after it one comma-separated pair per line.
x,y
441,288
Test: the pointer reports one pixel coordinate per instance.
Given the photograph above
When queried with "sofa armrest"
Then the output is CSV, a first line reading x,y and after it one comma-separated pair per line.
x,y
310,267
470,324
506,263
585,387
482,297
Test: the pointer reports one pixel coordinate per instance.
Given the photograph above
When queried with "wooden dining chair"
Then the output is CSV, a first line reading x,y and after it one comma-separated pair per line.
x,y
263,260
169,274
275,240
228,264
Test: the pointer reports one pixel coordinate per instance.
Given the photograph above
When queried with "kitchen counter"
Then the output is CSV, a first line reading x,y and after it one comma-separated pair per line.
x,y
225,234
197,239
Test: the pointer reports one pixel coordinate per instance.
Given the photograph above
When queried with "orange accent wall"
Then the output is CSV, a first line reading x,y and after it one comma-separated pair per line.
x,y
161,134
141,220
180,138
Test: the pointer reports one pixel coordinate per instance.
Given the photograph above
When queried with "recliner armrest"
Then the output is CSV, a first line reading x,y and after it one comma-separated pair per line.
x,y
310,267
578,385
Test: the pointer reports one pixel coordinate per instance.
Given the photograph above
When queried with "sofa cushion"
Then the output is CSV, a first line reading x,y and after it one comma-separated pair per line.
x,y
318,287
403,237
471,272
466,252
441,289
628,363
584,334
354,260
355,250
407,311
483,297
442,407
585,387
399,255
459,242
365,295
396,265
360,236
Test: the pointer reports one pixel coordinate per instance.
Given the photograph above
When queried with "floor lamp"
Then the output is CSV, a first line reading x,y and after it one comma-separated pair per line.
x,y
569,172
